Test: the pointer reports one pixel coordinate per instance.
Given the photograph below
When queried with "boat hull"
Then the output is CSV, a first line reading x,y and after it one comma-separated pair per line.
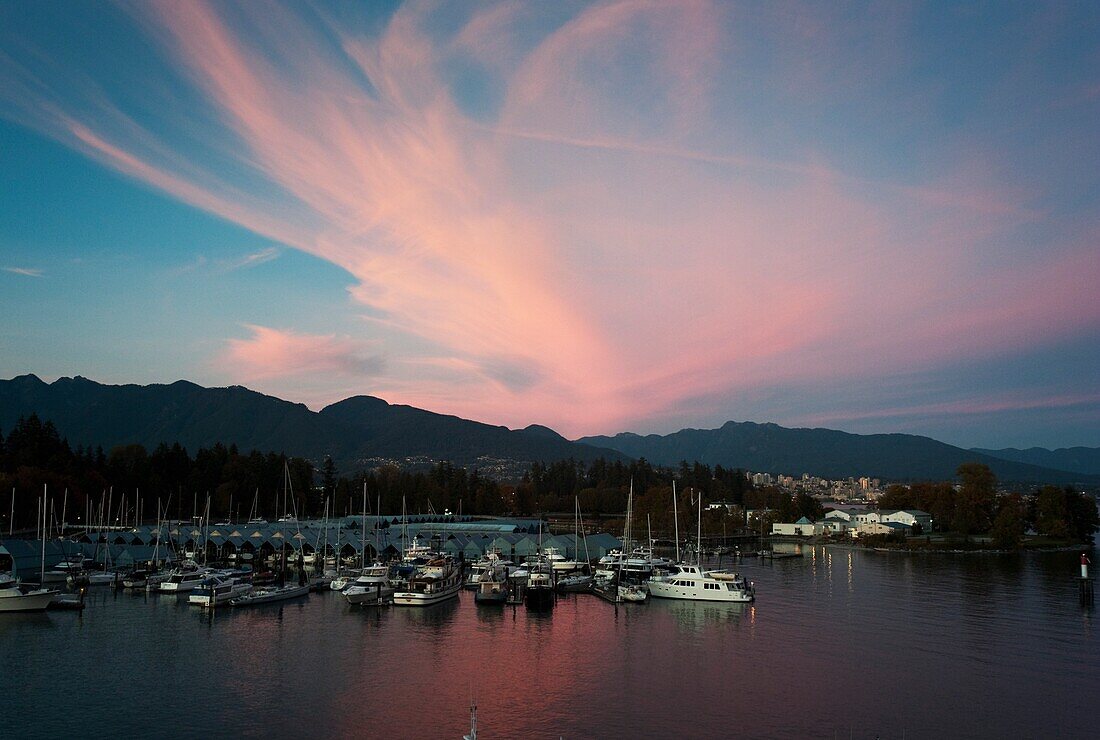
x,y
35,601
539,598
668,591
258,598
368,596
413,598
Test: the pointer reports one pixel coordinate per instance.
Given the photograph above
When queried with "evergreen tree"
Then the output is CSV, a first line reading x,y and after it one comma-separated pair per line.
x,y
1010,523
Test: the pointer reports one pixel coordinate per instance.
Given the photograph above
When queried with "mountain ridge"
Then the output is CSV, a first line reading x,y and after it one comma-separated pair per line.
x,y
363,430
1078,459
353,431
828,453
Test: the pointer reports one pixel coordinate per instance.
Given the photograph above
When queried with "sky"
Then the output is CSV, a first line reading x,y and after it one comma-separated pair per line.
x,y
610,216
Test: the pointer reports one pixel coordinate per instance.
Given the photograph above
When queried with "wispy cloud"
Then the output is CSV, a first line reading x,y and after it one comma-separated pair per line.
x,y
251,259
613,232
275,353
27,271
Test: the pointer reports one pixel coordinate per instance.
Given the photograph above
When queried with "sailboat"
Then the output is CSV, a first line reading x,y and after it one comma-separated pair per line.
x,y
282,591
625,590
580,581
14,597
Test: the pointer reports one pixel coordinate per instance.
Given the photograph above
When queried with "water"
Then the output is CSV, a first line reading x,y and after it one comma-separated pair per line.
x,y
839,644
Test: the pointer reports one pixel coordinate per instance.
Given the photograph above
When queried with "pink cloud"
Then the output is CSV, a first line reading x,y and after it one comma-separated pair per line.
x,y
599,250
274,353
970,407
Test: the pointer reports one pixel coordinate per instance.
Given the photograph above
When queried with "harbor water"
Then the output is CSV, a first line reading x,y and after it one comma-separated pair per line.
x,y
840,644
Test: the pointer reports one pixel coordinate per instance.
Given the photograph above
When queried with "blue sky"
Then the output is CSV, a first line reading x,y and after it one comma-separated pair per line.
x,y
596,216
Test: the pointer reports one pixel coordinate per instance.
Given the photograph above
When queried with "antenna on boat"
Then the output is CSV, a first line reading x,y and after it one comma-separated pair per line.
x,y
473,721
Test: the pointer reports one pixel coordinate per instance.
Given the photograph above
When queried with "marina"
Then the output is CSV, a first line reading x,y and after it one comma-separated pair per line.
x,y
833,623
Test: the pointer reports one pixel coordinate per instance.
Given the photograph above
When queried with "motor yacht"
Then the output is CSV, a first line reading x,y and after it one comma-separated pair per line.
x,y
216,591
372,587
440,579
183,579
14,597
692,583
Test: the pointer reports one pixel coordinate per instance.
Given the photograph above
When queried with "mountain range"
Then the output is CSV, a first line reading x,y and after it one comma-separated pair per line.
x,y
1076,459
826,453
357,432
364,431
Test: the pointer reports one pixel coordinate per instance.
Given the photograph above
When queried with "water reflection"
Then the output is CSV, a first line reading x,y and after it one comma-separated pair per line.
x,y
974,646
695,616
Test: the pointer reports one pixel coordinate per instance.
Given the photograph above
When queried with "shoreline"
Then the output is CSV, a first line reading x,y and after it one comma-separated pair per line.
x,y
956,551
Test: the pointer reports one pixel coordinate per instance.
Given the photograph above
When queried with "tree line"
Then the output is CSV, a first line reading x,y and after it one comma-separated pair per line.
x,y
976,508
240,484
269,485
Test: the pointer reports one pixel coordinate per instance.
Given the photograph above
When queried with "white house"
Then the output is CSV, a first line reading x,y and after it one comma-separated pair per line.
x,y
909,517
880,528
836,525
868,517
802,528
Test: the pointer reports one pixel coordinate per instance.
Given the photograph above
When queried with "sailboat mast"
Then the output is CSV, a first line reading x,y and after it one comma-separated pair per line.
x,y
363,537
404,528
42,576
699,532
107,524
676,521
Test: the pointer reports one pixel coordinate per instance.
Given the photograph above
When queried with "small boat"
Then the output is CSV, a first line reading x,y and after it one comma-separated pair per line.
x,y
492,588
343,581
138,579
539,594
14,597
631,592
71,567
558,562
372,588
576,583
269,595
218,591
103,578
71,602
184,579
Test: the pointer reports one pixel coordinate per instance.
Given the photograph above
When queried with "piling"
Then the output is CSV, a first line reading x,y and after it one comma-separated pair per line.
x,y
1084,583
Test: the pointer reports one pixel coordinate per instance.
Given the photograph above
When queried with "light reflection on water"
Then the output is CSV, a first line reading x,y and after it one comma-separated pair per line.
x,y
928,646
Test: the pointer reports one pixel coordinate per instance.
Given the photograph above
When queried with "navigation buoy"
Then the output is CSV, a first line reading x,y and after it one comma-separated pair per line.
x,y
1085,582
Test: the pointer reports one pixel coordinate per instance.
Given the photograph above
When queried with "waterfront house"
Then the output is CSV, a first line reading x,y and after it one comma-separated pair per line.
x,y
909,517
802,528
870,528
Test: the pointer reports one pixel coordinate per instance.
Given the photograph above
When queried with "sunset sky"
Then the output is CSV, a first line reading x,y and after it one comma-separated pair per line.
x,y
595,216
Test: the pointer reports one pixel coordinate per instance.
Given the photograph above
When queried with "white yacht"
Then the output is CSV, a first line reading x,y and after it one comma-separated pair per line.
x,y
558,562
16,598
692,583
372,587
439,580
343,581
69,568
183,580
217,591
